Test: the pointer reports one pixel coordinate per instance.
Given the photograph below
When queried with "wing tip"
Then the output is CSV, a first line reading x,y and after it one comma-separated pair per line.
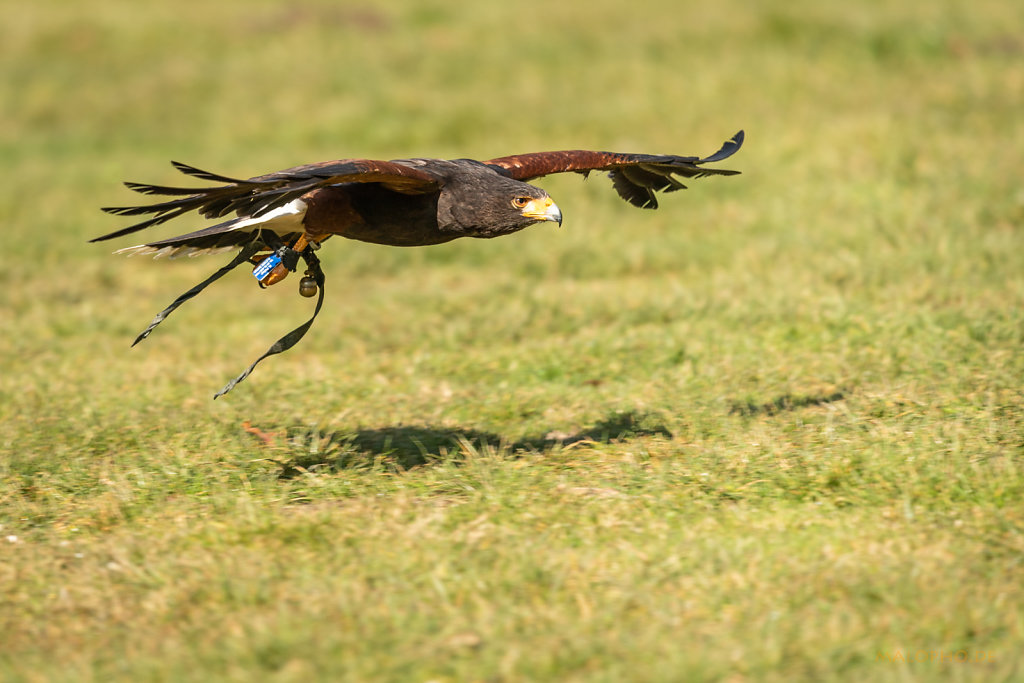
x,y
729,147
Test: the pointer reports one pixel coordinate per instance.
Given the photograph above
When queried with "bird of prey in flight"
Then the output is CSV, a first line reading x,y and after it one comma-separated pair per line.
x,y
283,217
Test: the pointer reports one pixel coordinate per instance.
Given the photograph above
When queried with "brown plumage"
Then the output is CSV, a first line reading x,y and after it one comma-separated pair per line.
x,y
405,202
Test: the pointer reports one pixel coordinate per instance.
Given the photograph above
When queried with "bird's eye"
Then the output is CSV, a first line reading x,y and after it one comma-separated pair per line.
x,y
520,202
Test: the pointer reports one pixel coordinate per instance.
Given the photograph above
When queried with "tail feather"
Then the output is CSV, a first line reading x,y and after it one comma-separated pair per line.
x,y
285,220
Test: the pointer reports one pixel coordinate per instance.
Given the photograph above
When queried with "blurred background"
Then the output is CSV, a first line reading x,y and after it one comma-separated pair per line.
x,y
881,170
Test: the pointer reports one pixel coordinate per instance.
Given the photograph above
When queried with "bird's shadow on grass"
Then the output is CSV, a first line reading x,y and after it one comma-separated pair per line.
x,y
785,402
302,449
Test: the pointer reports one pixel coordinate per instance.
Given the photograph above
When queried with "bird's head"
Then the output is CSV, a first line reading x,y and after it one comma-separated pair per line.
x,y
536,207
491,206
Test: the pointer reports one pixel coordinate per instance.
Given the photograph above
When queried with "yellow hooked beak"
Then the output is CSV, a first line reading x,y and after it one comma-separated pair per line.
x,y
543,210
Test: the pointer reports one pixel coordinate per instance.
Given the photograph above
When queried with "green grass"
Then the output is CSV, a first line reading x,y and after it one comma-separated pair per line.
x,y
772,431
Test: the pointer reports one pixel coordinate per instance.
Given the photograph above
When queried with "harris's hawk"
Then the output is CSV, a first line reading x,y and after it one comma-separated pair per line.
x,y
283,217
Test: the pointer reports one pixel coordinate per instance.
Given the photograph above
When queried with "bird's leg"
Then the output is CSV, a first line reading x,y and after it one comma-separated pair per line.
x,y
275,266
289,340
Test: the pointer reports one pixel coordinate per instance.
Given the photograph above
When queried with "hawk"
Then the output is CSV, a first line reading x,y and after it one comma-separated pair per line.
x,y
284,217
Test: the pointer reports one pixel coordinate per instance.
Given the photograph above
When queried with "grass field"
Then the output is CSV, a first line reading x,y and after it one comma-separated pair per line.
x,y
772,431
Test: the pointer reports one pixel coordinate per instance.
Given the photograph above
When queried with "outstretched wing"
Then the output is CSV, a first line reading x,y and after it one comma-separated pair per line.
x,y
256,196
636,177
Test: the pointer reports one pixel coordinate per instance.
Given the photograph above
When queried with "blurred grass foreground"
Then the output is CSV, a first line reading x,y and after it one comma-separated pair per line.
x,y
773,430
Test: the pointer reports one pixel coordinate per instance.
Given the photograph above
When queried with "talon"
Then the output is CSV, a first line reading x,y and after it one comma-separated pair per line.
x,y
270,269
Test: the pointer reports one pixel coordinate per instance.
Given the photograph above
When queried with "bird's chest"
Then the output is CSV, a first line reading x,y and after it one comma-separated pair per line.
x,y
369,213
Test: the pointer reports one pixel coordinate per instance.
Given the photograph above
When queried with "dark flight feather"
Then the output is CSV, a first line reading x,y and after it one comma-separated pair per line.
x,y
636,177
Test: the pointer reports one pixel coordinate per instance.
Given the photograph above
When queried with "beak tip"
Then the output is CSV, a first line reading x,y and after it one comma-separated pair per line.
x,y
548,211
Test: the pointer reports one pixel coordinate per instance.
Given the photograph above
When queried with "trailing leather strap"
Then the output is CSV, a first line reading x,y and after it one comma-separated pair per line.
x,y
289,340
244,255
290,258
